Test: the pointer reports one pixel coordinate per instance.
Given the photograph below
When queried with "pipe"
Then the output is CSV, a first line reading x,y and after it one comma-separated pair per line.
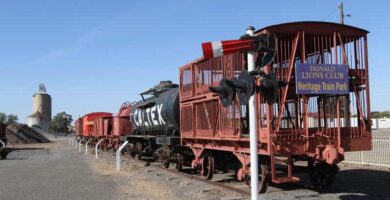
x,y
253,127
86,146
80,143
96,147
118,155
1,141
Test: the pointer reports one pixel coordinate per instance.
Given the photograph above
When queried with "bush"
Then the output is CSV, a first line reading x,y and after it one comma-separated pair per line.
x,y
61,123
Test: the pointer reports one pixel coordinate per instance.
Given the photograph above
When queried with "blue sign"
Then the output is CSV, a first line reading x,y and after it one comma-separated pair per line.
x,y
321,78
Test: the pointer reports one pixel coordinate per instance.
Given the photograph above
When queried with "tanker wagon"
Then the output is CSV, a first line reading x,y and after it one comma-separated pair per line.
x,y
155,124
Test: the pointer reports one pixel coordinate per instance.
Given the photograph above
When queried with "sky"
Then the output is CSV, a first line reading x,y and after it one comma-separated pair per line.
x,y
95,55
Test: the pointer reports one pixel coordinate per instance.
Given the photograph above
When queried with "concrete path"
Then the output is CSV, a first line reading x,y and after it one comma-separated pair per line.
x,y
47,172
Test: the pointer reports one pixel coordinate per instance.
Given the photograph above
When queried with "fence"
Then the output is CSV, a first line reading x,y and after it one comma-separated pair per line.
x,y
378,156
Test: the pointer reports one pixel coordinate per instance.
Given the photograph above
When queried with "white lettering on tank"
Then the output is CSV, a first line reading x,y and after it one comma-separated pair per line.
x,y
143,118
148,116
153,115
161,120
139,118
135,118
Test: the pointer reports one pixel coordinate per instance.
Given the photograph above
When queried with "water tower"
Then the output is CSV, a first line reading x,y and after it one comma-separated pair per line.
x,y
41,109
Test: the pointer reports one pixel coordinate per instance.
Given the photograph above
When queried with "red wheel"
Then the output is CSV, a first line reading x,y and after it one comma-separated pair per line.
x,y
208,167
322,174
179,162
264,178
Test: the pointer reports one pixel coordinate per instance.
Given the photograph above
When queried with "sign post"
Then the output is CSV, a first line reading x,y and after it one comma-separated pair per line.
x,y
321,78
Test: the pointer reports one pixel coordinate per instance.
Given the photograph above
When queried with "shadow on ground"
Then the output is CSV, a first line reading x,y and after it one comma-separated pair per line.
x,y
4,152
350,184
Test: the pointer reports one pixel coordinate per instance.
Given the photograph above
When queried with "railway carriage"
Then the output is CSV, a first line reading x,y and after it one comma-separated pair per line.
x,y
91,126
312,127
119,126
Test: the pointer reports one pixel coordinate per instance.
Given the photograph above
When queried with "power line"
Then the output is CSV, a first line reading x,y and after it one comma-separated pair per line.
x,y
330,14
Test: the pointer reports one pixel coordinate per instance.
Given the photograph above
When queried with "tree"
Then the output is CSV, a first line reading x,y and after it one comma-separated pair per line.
x,y
377,114
11,119
61,123
386,114
3,118
8,119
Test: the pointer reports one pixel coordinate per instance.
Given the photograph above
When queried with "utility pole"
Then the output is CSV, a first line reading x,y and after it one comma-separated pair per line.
x,y
341,12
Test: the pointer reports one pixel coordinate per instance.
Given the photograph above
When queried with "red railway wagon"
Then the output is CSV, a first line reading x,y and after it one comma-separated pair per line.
x,y
89,122
79,126
107,126
117,126
121,122
102,126
313,128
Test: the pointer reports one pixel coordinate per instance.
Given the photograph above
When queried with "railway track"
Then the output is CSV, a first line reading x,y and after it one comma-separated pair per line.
x,y
199,178
158,166
225,184
222,181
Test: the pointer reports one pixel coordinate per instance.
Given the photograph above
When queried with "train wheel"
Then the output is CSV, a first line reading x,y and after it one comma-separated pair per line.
x,y
264,178
115,146
106,145
179,162
101,146
208,167
166,163
132,152
322,174
139,150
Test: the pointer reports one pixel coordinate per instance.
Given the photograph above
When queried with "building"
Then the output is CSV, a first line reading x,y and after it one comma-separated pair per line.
x,y
380,123
41,115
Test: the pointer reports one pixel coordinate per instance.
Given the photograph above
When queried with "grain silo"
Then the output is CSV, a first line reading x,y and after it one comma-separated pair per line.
x,y
41,109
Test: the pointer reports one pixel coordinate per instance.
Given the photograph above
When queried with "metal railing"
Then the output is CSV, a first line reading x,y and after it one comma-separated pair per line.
x,y
378,156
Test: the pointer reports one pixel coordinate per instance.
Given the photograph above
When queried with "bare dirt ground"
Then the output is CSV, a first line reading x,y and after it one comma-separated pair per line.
x,y
381,132
57,171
